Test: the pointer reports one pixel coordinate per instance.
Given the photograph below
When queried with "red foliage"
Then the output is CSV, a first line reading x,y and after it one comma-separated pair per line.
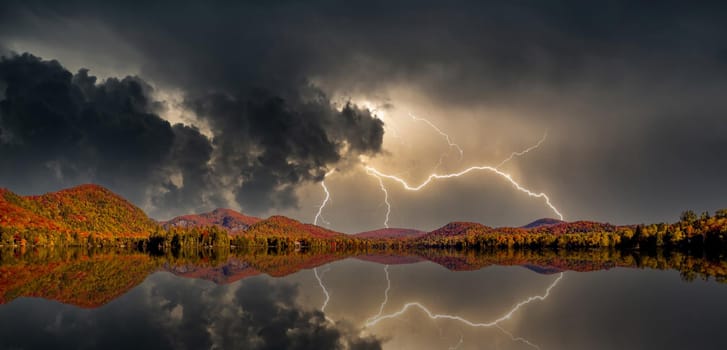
x,y
397,233
457,228
82,210
228,219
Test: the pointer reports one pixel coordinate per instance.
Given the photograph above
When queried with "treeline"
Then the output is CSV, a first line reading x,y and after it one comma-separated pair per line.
x,y
691,265
215,237
692,232
179,238
44,237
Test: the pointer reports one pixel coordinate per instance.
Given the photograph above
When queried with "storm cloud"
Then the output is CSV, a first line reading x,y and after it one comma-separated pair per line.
x,y
630,92
60,129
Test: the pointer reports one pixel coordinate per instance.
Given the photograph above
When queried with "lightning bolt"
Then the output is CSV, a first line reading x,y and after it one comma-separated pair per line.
x,y
379,175
517,339
386,197
325,200
435,176
518,154
386,296
441,159
438,130
493,323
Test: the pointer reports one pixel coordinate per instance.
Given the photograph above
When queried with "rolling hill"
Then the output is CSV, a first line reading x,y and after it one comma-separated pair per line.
x,y
278,225
80,210
543,222
456,228
228,219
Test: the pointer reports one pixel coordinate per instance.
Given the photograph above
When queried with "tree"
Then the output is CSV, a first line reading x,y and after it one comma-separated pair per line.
x,y
688,217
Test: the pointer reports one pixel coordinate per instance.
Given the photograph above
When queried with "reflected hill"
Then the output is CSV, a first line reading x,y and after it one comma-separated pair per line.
x,y
92,278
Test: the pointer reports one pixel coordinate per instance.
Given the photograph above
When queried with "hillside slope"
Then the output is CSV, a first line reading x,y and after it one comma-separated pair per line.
x,y
79,210
283,226
228,219
456,229
543,222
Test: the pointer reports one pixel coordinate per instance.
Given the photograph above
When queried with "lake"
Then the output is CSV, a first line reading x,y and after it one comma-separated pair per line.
x,y
122,300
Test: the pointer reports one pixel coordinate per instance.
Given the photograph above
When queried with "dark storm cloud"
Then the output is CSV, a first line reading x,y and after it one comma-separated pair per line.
x,y
280,143
631,90
173,313
58,129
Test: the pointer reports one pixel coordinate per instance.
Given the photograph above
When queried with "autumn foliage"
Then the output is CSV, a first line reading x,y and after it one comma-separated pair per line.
x,y
70,216
92,215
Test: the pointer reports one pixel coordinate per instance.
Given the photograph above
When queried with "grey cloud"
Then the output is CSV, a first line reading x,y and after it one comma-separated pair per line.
x,y
630,90
81,130
60,129
279,143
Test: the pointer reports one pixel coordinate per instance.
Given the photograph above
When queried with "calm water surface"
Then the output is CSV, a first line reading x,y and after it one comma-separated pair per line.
x,y
355,307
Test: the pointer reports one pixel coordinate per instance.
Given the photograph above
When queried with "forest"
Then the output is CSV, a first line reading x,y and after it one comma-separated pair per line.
x,y
92,216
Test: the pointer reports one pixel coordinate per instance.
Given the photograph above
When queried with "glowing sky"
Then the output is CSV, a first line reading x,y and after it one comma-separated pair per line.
x,y
629,92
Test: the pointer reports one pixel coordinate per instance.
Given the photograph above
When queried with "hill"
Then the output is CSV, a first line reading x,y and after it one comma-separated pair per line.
x,y
456,229
573,227
286,227
81,210
540,226
543,222
396,233
228,219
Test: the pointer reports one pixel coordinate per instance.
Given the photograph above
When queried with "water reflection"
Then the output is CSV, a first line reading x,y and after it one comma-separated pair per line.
x,y
167,312
328,300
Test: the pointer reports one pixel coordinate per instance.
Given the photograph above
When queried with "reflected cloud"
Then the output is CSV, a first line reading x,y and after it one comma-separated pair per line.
x,y
168,312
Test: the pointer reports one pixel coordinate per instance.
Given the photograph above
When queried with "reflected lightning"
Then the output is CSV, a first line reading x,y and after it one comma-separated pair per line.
x,y
386,295
323,287
461,337
493,323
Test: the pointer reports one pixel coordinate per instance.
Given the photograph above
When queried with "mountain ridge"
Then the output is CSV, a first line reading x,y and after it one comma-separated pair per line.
x,y
232,221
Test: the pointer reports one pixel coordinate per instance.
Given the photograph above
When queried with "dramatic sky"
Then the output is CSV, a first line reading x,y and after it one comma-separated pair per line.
x,y
187,106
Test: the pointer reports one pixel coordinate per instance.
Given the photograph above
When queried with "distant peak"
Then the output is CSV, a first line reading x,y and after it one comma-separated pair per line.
x,y
543,222
226,218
